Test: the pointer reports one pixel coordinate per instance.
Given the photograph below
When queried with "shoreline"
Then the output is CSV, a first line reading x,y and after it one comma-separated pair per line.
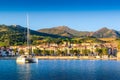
x,y
72,58
64,58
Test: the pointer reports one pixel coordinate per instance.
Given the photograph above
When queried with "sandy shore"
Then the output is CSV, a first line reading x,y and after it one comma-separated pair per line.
x,y
63,58
73,58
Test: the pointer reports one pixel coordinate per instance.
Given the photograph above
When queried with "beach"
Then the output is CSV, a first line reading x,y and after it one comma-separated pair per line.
x,y
74,58
64,58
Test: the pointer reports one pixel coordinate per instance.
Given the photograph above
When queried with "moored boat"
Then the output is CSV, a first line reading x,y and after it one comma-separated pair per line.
x,y
27,58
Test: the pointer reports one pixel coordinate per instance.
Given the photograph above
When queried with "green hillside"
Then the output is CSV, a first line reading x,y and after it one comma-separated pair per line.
x,y
16,35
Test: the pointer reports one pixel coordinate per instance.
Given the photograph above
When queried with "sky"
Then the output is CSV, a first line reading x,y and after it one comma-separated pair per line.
x,y
81,15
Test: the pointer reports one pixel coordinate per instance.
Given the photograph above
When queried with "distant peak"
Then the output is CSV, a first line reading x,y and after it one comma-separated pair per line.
x,y
104,28
61,27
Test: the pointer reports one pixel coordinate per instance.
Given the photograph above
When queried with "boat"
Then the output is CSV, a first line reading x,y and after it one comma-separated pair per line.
x,y
28,57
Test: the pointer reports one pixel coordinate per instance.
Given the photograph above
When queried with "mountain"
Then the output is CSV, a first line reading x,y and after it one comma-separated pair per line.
x,y
64,31
16,35
106,33
17,29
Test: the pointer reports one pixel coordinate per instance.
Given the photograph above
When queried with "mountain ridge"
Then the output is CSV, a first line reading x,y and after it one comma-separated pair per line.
x,y
61,31
17,35
101,33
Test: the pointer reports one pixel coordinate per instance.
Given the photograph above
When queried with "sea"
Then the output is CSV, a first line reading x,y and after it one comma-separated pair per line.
x,y
60,70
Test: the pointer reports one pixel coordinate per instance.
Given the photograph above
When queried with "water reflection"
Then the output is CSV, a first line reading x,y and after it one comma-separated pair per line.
x,y
25,70
60,70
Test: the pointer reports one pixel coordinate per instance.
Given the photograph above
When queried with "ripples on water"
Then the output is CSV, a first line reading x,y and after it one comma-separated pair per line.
x,y
60,70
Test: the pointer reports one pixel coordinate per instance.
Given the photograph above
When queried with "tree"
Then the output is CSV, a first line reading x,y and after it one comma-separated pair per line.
x,y
72,52
21,52
118,44
98,51
85,52
59,52
37,51
58,41
104,51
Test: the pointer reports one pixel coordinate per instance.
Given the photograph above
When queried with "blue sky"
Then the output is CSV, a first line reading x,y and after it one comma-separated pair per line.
x,y
82,15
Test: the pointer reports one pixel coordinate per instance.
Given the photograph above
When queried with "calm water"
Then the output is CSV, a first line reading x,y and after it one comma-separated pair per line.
x,y
60,70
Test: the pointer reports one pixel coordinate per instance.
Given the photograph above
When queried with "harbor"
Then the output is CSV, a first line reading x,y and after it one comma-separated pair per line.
x,y
60,40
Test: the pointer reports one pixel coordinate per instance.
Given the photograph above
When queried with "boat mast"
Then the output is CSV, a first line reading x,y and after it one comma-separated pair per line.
x,y
28,34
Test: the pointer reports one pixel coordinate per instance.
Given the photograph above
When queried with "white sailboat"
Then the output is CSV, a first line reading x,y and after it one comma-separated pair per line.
x,y
27,58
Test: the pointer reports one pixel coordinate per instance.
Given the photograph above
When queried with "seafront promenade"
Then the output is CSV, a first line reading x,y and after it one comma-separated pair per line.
x,y
75,58
65,58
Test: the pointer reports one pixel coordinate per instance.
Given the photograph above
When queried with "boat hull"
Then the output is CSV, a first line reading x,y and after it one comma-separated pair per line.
x,y
27,60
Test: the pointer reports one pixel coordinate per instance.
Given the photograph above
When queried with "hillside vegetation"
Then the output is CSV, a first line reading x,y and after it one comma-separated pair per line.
x,y
16,35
